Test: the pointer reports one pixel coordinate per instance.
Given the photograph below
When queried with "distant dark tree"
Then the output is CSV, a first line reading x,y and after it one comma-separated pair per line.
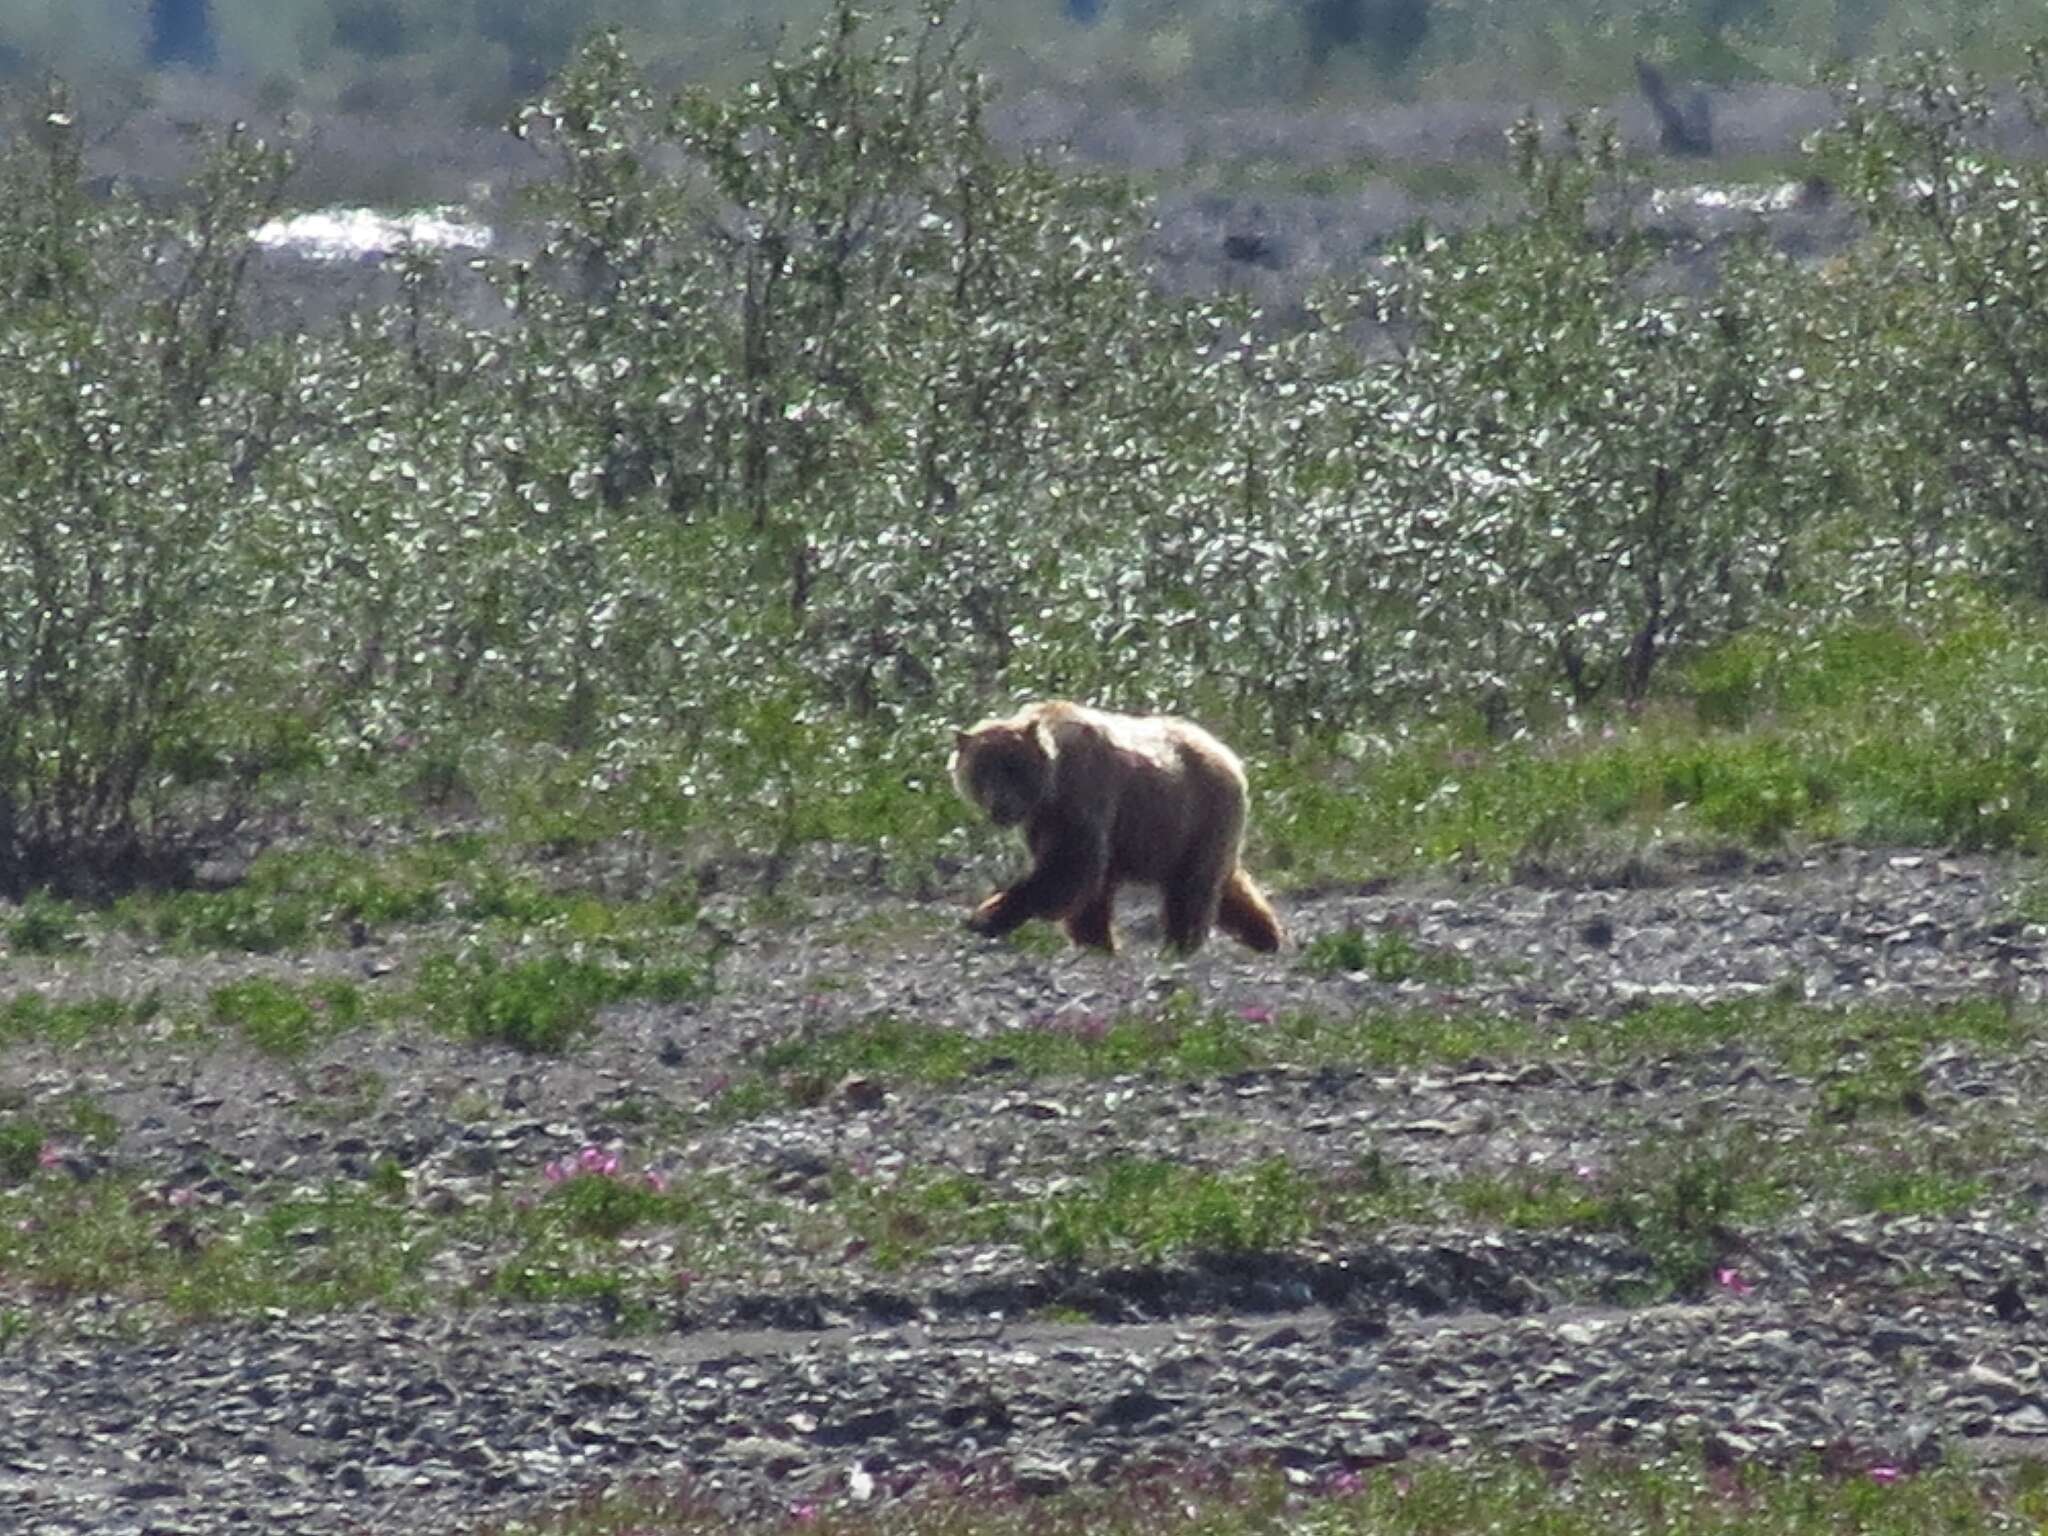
x,y
181,32
1086,12
1333,24
538,37
1718,14
1388,31
1684,128
373,28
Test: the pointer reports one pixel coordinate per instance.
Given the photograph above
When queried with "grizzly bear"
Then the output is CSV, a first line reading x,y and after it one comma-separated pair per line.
x,y
1104,799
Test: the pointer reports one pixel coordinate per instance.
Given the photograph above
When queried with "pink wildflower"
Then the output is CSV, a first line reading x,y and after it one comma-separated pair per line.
x,y
553,1172
1884,1472
51,1156
1344,1484
803,1513
183,1195
657,1181
1731,1280
1257,1013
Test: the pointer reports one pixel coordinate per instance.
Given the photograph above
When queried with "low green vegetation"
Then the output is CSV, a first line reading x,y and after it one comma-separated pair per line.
x,y
1178,1038
634,1237
1869,1055
1389,955
344,1245
21,1141
1891,734
31,1016
543,1004
290,898
1590,1495
44,926
284,1020
1152,1209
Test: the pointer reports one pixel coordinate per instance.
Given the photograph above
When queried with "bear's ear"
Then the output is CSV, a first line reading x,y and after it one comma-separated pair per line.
x,y
960,739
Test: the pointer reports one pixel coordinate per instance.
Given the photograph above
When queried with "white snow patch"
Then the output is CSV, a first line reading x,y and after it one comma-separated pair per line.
x,y
354,234
1739,198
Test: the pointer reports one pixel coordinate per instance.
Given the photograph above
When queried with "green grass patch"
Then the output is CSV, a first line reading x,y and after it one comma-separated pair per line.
x,y
1178,1040
521,900
31,1016
1675,1495
1683,1198
1907,1164
896,1223
1535,1198
345,1245
596,1206
1149,1209
545,1004
1917,1192
290,898
569,1244
117,1237
1684,1201
339,1093
589,1229
46,926
21,1142
1887,1081
1122,1210
1870,1053
340,1247
1391,955
287,1021
89,1120
241,918
1934,734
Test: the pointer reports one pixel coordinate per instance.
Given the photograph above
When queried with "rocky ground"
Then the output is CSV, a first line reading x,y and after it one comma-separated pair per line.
x,y
808,1376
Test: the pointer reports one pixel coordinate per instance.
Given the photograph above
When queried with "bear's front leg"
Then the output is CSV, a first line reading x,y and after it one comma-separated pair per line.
x,y
1068,863
998,915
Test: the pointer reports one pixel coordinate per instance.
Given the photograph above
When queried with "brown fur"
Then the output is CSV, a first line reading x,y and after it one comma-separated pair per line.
x,y
1106,800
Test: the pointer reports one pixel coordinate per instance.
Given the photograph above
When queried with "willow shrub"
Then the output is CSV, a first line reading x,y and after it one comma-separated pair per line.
x,y
136,419
811,425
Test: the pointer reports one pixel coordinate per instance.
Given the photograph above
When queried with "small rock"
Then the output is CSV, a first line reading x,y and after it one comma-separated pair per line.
x,y
862,1092
1043,1476
1128,1408
149,1488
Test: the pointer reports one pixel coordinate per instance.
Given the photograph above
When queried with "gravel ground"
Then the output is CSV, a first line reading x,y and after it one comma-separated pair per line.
x,y
811,1376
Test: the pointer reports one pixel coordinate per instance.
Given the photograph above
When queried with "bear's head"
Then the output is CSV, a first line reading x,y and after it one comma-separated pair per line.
x,y
1004,768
